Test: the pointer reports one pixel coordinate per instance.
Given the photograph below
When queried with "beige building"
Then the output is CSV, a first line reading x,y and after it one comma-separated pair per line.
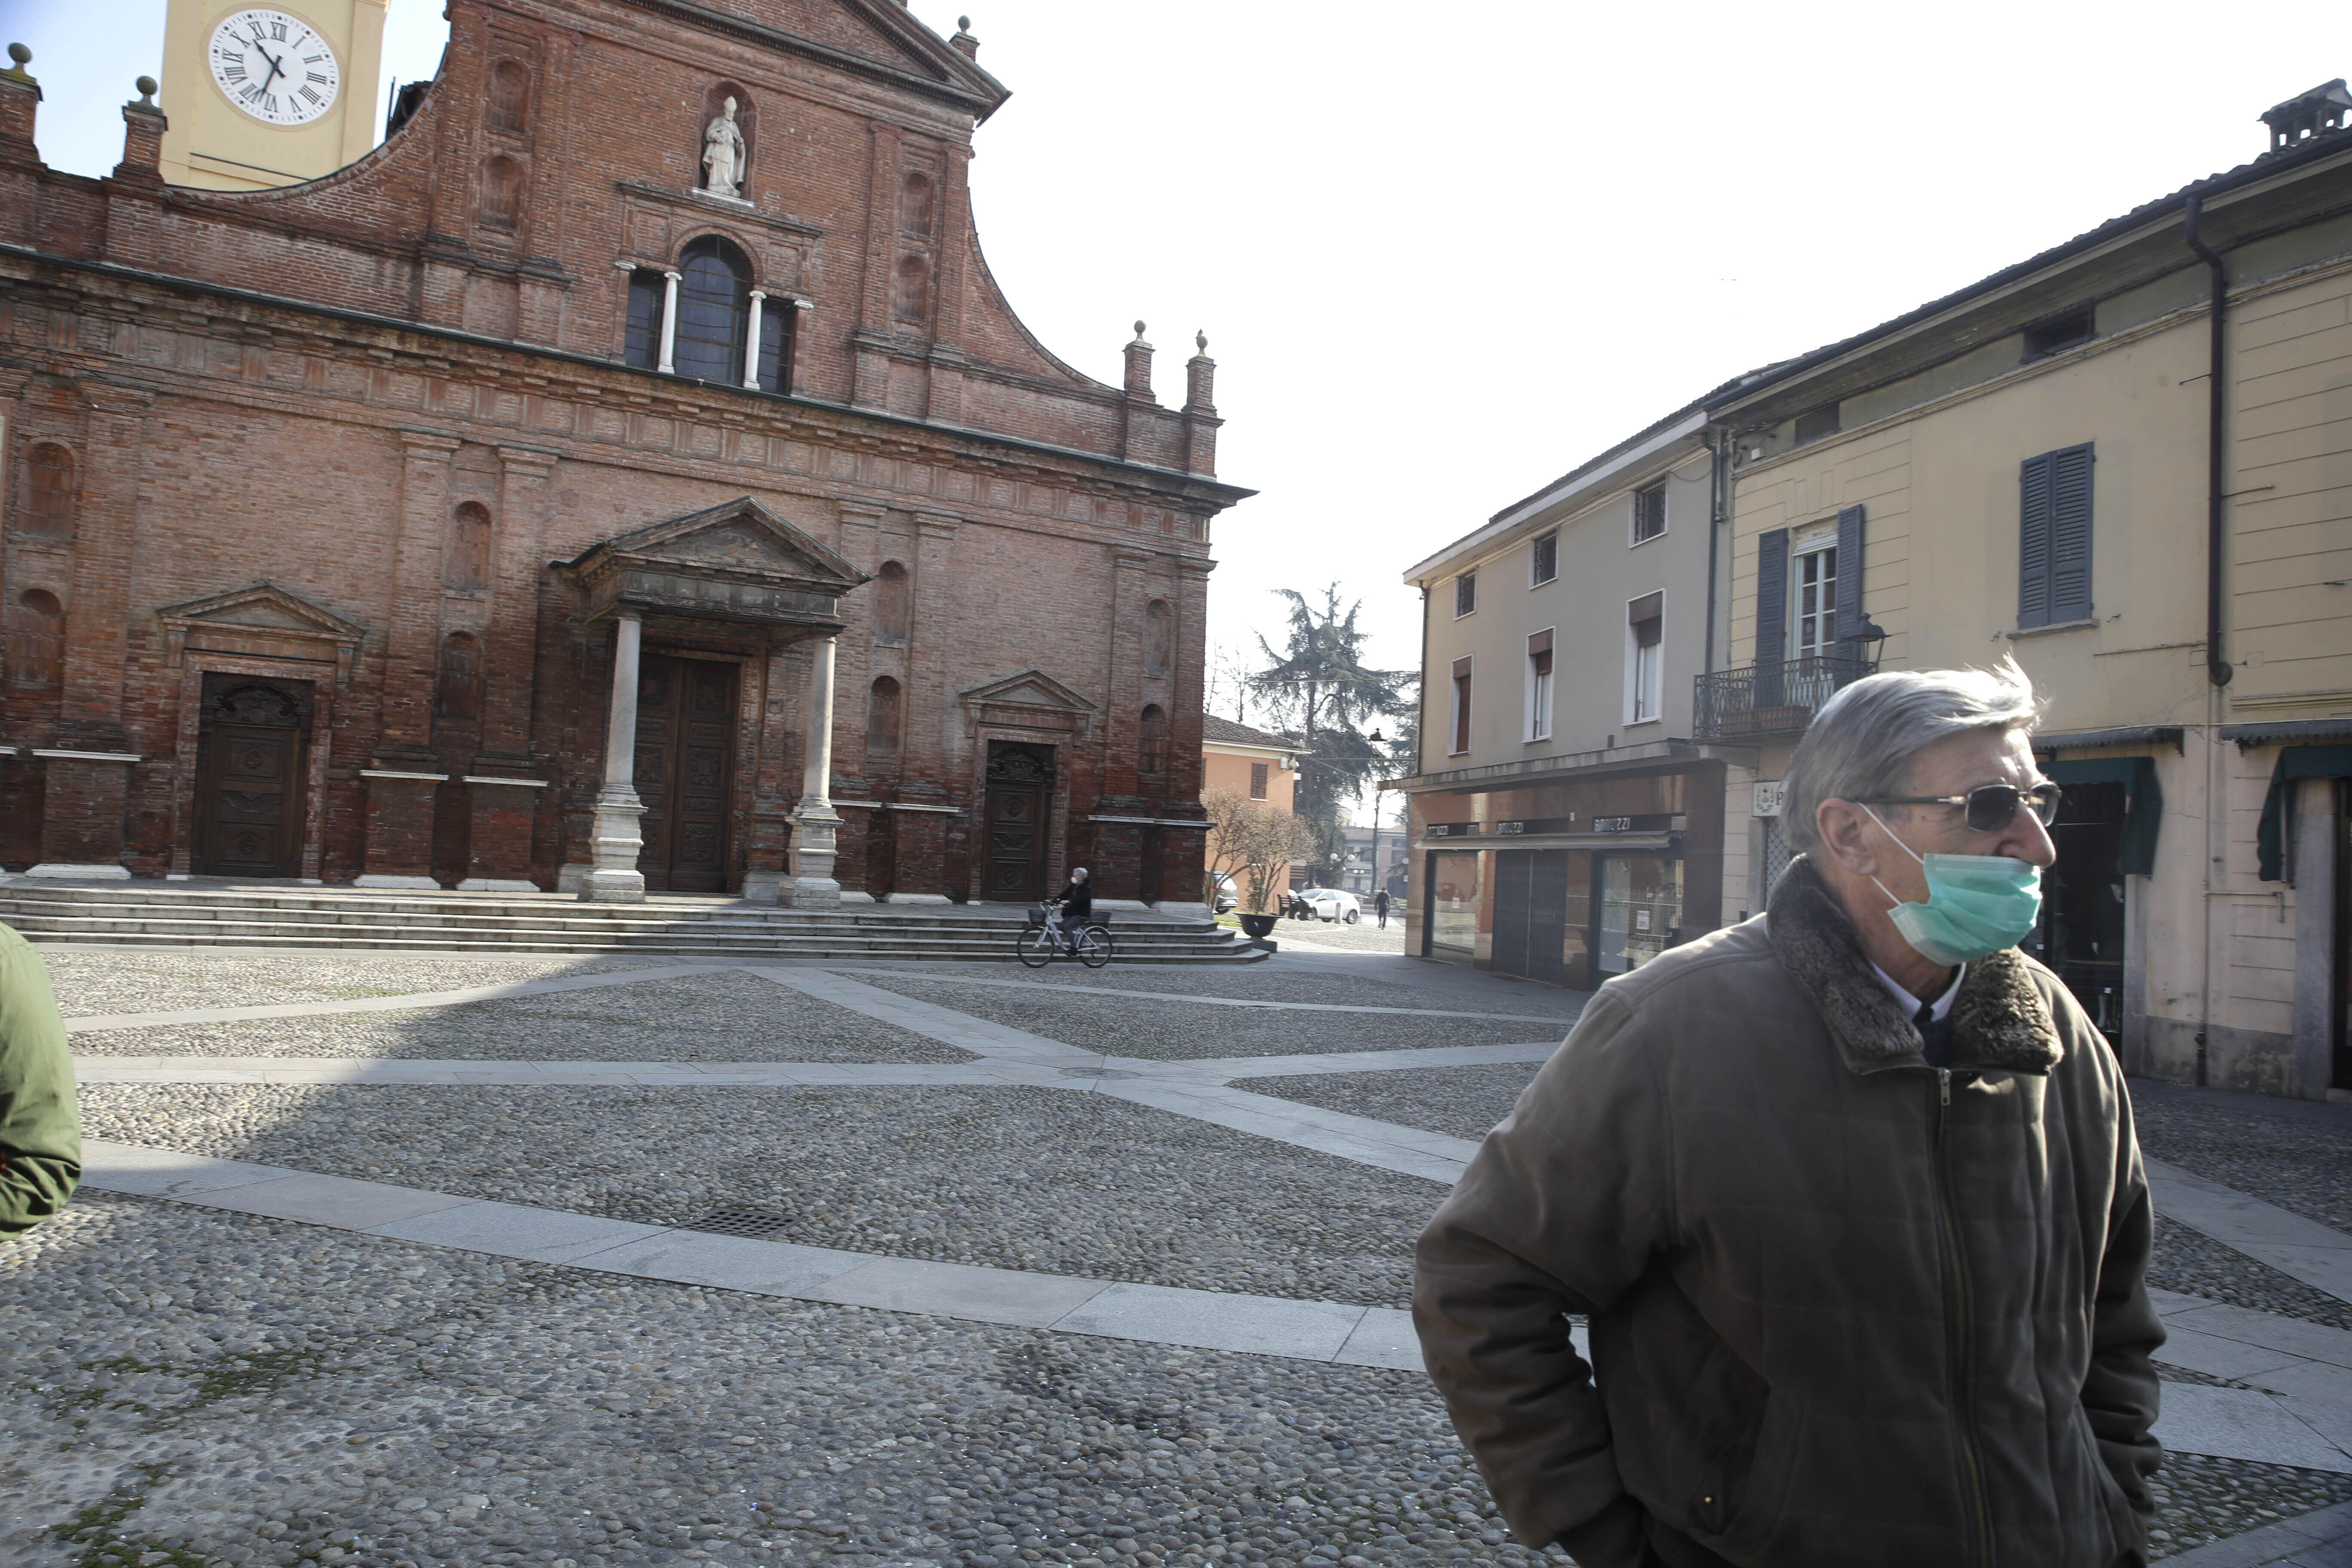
x,y
270,93
1565,828
2024,467
1255,764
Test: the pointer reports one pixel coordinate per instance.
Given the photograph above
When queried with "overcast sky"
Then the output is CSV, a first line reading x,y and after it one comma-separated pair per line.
x,y
1443,255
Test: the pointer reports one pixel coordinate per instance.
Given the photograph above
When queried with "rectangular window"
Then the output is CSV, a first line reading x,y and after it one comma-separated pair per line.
x,y
2054,538
1820,422
644,318
1465,594
1540,686
1461,707
2061,333
1258,771
1646,626
777,318
1816,606
1543,565
1649,511
1454,902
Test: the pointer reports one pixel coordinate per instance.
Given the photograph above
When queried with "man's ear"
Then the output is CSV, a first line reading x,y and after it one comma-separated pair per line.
x,y
1842,825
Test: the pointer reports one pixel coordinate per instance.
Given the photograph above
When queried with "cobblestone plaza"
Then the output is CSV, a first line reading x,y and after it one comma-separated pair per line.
x,y
398,1260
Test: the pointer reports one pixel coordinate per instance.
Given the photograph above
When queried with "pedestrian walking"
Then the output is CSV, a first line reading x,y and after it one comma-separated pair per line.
x,y
40,1128
1851,1197
1381,907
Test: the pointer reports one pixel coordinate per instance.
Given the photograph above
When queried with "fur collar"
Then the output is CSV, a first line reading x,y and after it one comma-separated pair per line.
x,y
1999,1019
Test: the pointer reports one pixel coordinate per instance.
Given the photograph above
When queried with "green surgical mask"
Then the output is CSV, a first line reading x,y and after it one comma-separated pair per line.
x,y
1977,904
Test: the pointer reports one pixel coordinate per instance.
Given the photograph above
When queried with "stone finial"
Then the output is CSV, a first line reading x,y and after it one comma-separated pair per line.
x,y
145,104
1201,342
963,43
19,57
1138,342
1139,366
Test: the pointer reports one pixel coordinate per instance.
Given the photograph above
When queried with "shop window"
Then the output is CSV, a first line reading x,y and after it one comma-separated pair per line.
x,y
1454,903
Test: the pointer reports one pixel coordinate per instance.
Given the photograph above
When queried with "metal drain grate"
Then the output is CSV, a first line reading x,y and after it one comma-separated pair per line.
x,y
739,1220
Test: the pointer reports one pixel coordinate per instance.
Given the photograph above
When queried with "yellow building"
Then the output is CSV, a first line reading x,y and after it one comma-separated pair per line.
x,y
269,94
1255,764
2128,461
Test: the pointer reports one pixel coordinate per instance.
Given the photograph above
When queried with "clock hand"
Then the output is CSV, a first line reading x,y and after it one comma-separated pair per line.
x,y
277,66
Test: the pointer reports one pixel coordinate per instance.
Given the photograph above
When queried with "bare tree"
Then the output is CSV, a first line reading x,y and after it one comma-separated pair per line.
x,y
1253,843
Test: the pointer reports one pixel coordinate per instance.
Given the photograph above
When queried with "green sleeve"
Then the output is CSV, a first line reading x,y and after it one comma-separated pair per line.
x,y
40,1126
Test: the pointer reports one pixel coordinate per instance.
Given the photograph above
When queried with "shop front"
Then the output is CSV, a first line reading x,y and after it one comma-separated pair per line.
x,y
1570,880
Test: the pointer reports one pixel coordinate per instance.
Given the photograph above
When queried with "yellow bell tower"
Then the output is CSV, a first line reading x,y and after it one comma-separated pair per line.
x,y
269,92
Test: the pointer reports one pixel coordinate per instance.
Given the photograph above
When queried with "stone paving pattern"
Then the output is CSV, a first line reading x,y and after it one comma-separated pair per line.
x,y
723,1017
96,982
1343,984
1165,1031
1051,1180
2301,1166
191,1386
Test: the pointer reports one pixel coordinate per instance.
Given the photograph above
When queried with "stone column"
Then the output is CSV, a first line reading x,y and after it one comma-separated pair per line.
x,y
751,343
814,822
614,878
668,363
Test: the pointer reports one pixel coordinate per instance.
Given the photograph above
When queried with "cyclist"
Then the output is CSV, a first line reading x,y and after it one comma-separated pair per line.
x,y
1077,907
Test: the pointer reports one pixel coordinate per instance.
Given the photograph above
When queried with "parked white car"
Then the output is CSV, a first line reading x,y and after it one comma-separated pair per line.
x,y
1331,904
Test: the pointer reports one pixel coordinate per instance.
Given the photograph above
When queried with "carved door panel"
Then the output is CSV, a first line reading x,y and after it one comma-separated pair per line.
x,y
684,772
1020,820
249,780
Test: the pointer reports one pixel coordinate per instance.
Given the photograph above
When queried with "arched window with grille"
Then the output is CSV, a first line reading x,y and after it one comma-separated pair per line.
x,y
510,101
467,564
457,682
1151,755
885,708
501,191
915,205
49,492
1158,637
37,643
893,604
714,309
912,296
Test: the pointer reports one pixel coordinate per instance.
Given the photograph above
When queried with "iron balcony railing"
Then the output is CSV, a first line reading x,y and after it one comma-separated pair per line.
x,y
1779,699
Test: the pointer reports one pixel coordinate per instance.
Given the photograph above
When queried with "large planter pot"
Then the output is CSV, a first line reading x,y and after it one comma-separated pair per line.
x,y
1258,925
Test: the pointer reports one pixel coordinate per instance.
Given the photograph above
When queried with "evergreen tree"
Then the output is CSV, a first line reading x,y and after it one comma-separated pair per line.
x,y
1320,691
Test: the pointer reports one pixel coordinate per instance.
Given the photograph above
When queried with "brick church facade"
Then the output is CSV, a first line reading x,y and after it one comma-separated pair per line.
x,y
627,475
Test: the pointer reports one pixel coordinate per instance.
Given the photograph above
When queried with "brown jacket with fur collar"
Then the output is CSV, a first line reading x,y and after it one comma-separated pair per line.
x,y
1847,1312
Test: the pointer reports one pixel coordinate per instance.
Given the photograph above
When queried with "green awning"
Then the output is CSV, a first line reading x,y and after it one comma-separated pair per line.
x,y
2143,803
2278,807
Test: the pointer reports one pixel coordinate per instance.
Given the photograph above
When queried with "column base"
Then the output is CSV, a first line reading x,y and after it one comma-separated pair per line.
x,y
573,873
762,886
813,893
378,879
920,899
70,871
496,885
603,887
849,897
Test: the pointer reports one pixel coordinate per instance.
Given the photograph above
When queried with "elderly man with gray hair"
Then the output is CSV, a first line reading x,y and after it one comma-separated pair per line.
x,y
1849,1197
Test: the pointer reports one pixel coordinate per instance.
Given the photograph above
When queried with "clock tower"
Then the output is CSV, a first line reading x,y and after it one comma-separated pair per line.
x,y
269,92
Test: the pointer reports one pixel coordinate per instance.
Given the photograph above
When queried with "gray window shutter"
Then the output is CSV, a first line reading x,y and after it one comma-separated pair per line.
x,y
1772,596
2070,534
1849,572
2033,542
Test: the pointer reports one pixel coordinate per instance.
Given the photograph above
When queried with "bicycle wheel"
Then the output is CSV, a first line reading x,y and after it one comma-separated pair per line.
x,y
1034,947
1093,947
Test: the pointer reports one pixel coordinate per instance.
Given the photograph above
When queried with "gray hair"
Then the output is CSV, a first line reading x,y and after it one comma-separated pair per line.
x,y
1861,741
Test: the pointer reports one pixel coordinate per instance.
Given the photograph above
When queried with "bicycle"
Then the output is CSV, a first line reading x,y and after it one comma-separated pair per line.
x,y
1045,935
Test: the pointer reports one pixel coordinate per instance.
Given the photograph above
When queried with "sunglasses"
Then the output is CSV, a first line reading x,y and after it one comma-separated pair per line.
x,y
1990,806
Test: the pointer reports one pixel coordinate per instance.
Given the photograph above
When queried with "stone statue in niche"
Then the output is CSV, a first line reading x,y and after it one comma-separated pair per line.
x,y
722,155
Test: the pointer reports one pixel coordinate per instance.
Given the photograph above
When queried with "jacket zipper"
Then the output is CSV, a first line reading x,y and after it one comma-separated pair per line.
x,y
1963,1370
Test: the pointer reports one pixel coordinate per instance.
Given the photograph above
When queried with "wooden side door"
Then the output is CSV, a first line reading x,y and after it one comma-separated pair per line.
x,y
249,793
1020,812
684,772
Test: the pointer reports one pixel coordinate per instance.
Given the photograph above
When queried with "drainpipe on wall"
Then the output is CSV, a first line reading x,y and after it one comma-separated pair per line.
x,y
2217,661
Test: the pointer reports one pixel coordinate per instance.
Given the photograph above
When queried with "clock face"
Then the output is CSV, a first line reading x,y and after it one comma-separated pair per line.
x,y
273,68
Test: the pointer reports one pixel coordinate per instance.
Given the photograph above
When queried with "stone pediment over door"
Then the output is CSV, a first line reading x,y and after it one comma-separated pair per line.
x,y
1029,701
737,561
264,621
